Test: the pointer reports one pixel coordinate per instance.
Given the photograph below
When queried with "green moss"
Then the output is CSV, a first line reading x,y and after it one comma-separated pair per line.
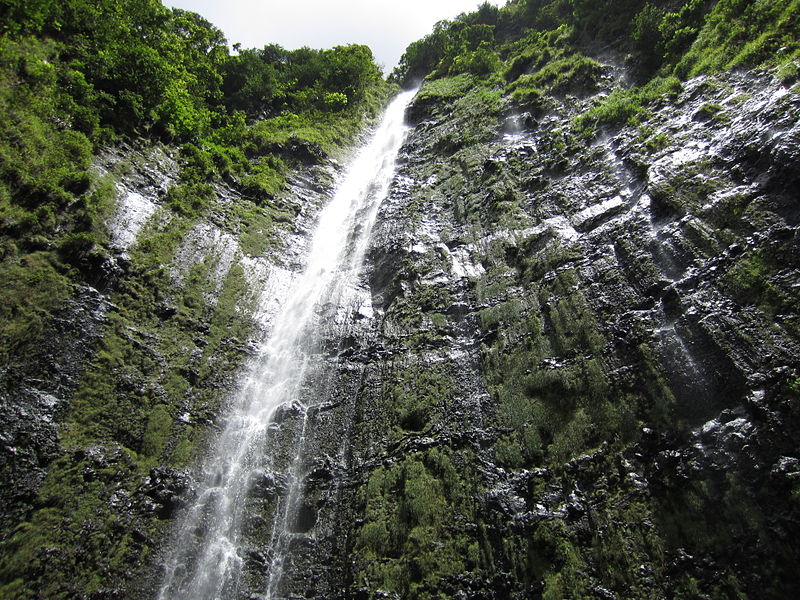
x,y
789,72
446,88
190,200
551,406
409,541
712,112
651,140
258,231
572,439
156,432
659,400
524,93
575,73
33,291
73,513
748,282
424,305
686,190
184,449
564,579
419,394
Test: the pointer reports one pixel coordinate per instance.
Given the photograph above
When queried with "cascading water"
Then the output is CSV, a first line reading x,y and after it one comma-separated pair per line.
x,y
206,554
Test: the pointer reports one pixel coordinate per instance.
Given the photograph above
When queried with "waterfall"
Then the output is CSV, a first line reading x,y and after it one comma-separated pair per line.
x,y
206,553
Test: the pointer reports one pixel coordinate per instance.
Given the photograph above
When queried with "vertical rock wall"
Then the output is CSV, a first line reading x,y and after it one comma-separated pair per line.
x,y
579,374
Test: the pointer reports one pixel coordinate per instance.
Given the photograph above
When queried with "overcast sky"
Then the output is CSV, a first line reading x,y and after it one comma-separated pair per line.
x,y
386,26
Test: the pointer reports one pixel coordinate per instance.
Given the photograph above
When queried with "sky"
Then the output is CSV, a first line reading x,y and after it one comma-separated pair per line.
x,y
386,26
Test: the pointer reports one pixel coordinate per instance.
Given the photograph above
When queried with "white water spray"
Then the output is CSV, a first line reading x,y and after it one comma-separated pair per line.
x,y
206,561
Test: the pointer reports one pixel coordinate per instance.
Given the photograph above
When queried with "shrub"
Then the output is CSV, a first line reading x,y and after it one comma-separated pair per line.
x,y
157,432
189,199
627,106
739,33
481,62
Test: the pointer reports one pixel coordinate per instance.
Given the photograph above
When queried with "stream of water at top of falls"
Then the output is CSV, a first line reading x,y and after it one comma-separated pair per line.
x,y
205,554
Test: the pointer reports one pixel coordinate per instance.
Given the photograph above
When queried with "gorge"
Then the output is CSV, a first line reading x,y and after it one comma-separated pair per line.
x,y
537,339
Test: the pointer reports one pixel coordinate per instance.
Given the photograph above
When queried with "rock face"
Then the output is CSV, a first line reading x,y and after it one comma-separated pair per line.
x,y
579,375
37,395
572,372
101,421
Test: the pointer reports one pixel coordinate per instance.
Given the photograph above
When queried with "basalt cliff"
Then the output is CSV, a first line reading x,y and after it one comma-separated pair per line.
x,y
569,368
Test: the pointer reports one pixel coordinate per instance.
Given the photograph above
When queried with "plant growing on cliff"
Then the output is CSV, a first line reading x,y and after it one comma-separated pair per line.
x,y
627,106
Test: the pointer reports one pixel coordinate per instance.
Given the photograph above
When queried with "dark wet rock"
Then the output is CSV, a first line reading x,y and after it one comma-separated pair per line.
x,y
287,412
34,395
163,386
655,246
300,149
168,488
267,485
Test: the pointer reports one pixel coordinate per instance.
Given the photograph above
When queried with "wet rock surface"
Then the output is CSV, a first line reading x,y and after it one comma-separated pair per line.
x,y
35,394
585,351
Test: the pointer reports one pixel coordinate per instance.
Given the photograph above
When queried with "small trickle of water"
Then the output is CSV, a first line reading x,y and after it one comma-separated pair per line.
x,y
207,556
133,211
514,134
513,124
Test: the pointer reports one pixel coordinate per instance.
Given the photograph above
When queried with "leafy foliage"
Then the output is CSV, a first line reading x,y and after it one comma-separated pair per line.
x,y
77,75
539,47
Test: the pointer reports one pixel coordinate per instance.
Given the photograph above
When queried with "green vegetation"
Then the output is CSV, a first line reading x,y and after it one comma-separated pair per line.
x,y
122,425
738,33
581,403
563,417
549,61
686,190
688,37
538,48
413,534
76,77
419,395
628,106
32,291
449,88
73,508
545,371
748,282
93,74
